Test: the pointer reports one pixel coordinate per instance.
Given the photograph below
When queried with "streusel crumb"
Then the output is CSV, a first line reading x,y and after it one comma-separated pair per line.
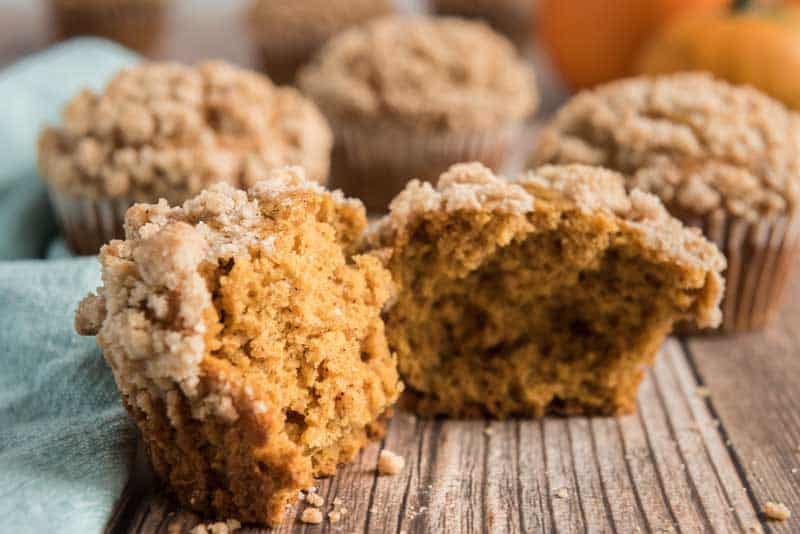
x,y
165,130
390,463
312,516
247,341
776,511
434,73
700,144
548,293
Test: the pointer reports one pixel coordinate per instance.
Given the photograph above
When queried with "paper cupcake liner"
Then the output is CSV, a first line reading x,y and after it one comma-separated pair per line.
x,y
375,165
135,25
760,258
87,224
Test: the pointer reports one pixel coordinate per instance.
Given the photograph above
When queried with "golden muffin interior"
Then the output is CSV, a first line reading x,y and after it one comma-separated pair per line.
x,y
546,294
247,341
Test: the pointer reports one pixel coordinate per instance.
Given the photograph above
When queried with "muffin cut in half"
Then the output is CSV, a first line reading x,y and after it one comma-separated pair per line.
x,y
546,294
246,341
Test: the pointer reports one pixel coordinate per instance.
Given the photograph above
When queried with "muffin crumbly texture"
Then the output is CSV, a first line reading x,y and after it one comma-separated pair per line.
x,y
700,144
165,130
546,294
246,341
421,73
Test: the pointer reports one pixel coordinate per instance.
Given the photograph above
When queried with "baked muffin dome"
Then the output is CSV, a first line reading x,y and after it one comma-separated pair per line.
x,y
165,130
422,73
544,294
246,341
699,143
723,158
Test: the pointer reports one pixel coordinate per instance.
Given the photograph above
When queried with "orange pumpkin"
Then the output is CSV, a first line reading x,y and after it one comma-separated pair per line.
x,y
757,46
593,41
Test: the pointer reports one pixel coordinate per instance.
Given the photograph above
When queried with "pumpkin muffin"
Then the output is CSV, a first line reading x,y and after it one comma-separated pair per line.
x,y
137,24
547,294
510,17
246,341
721,157
289,33
409,96
165,130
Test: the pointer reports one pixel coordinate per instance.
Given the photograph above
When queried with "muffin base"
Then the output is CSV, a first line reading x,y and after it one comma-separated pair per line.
x,y
375,165
760,258
133,25
87,224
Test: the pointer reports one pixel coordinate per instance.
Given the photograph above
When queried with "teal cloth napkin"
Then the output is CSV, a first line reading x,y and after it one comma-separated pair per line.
x,y
66,446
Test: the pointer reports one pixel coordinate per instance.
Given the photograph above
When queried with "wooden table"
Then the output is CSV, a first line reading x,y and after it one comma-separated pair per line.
x,y
717,433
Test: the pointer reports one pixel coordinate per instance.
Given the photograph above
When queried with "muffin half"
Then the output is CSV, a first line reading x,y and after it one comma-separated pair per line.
x,y
246,341
165,130
721,157
548,294
409,96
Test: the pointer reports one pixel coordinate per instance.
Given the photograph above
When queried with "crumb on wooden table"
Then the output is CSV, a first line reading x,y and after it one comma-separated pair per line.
x,y
776,511
703,391
312,516
562,493
390,463
315,500
227,527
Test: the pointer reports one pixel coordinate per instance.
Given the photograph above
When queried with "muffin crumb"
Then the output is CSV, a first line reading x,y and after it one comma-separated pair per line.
x,y
390,463
312,516
776,511
315,500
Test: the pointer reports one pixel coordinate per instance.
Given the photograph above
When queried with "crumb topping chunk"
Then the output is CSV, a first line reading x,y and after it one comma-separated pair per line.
x,y
699,143
166,130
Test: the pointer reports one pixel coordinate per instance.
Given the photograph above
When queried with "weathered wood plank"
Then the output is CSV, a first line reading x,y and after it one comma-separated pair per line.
x,y
664,469
753,381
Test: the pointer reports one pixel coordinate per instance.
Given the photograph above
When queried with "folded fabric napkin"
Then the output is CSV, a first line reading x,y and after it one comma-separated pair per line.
x,y
66,446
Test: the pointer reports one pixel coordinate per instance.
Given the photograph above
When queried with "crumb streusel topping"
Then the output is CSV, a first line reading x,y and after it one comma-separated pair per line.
x,y
443,74
165,130
311,21
700,144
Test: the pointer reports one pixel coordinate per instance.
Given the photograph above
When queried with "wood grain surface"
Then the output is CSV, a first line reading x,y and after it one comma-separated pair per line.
x,y
690,460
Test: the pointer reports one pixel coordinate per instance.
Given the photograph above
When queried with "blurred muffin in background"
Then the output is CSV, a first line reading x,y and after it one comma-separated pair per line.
x,y
137,24
723,158
168,131
510,17
288,33
409,96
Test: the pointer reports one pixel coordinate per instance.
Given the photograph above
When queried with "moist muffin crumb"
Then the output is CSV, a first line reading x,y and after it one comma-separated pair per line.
x,y
545,294
246,341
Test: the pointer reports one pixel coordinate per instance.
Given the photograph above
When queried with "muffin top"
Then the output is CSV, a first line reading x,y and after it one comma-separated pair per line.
x,y
311,21
165,130
432,73
700,144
